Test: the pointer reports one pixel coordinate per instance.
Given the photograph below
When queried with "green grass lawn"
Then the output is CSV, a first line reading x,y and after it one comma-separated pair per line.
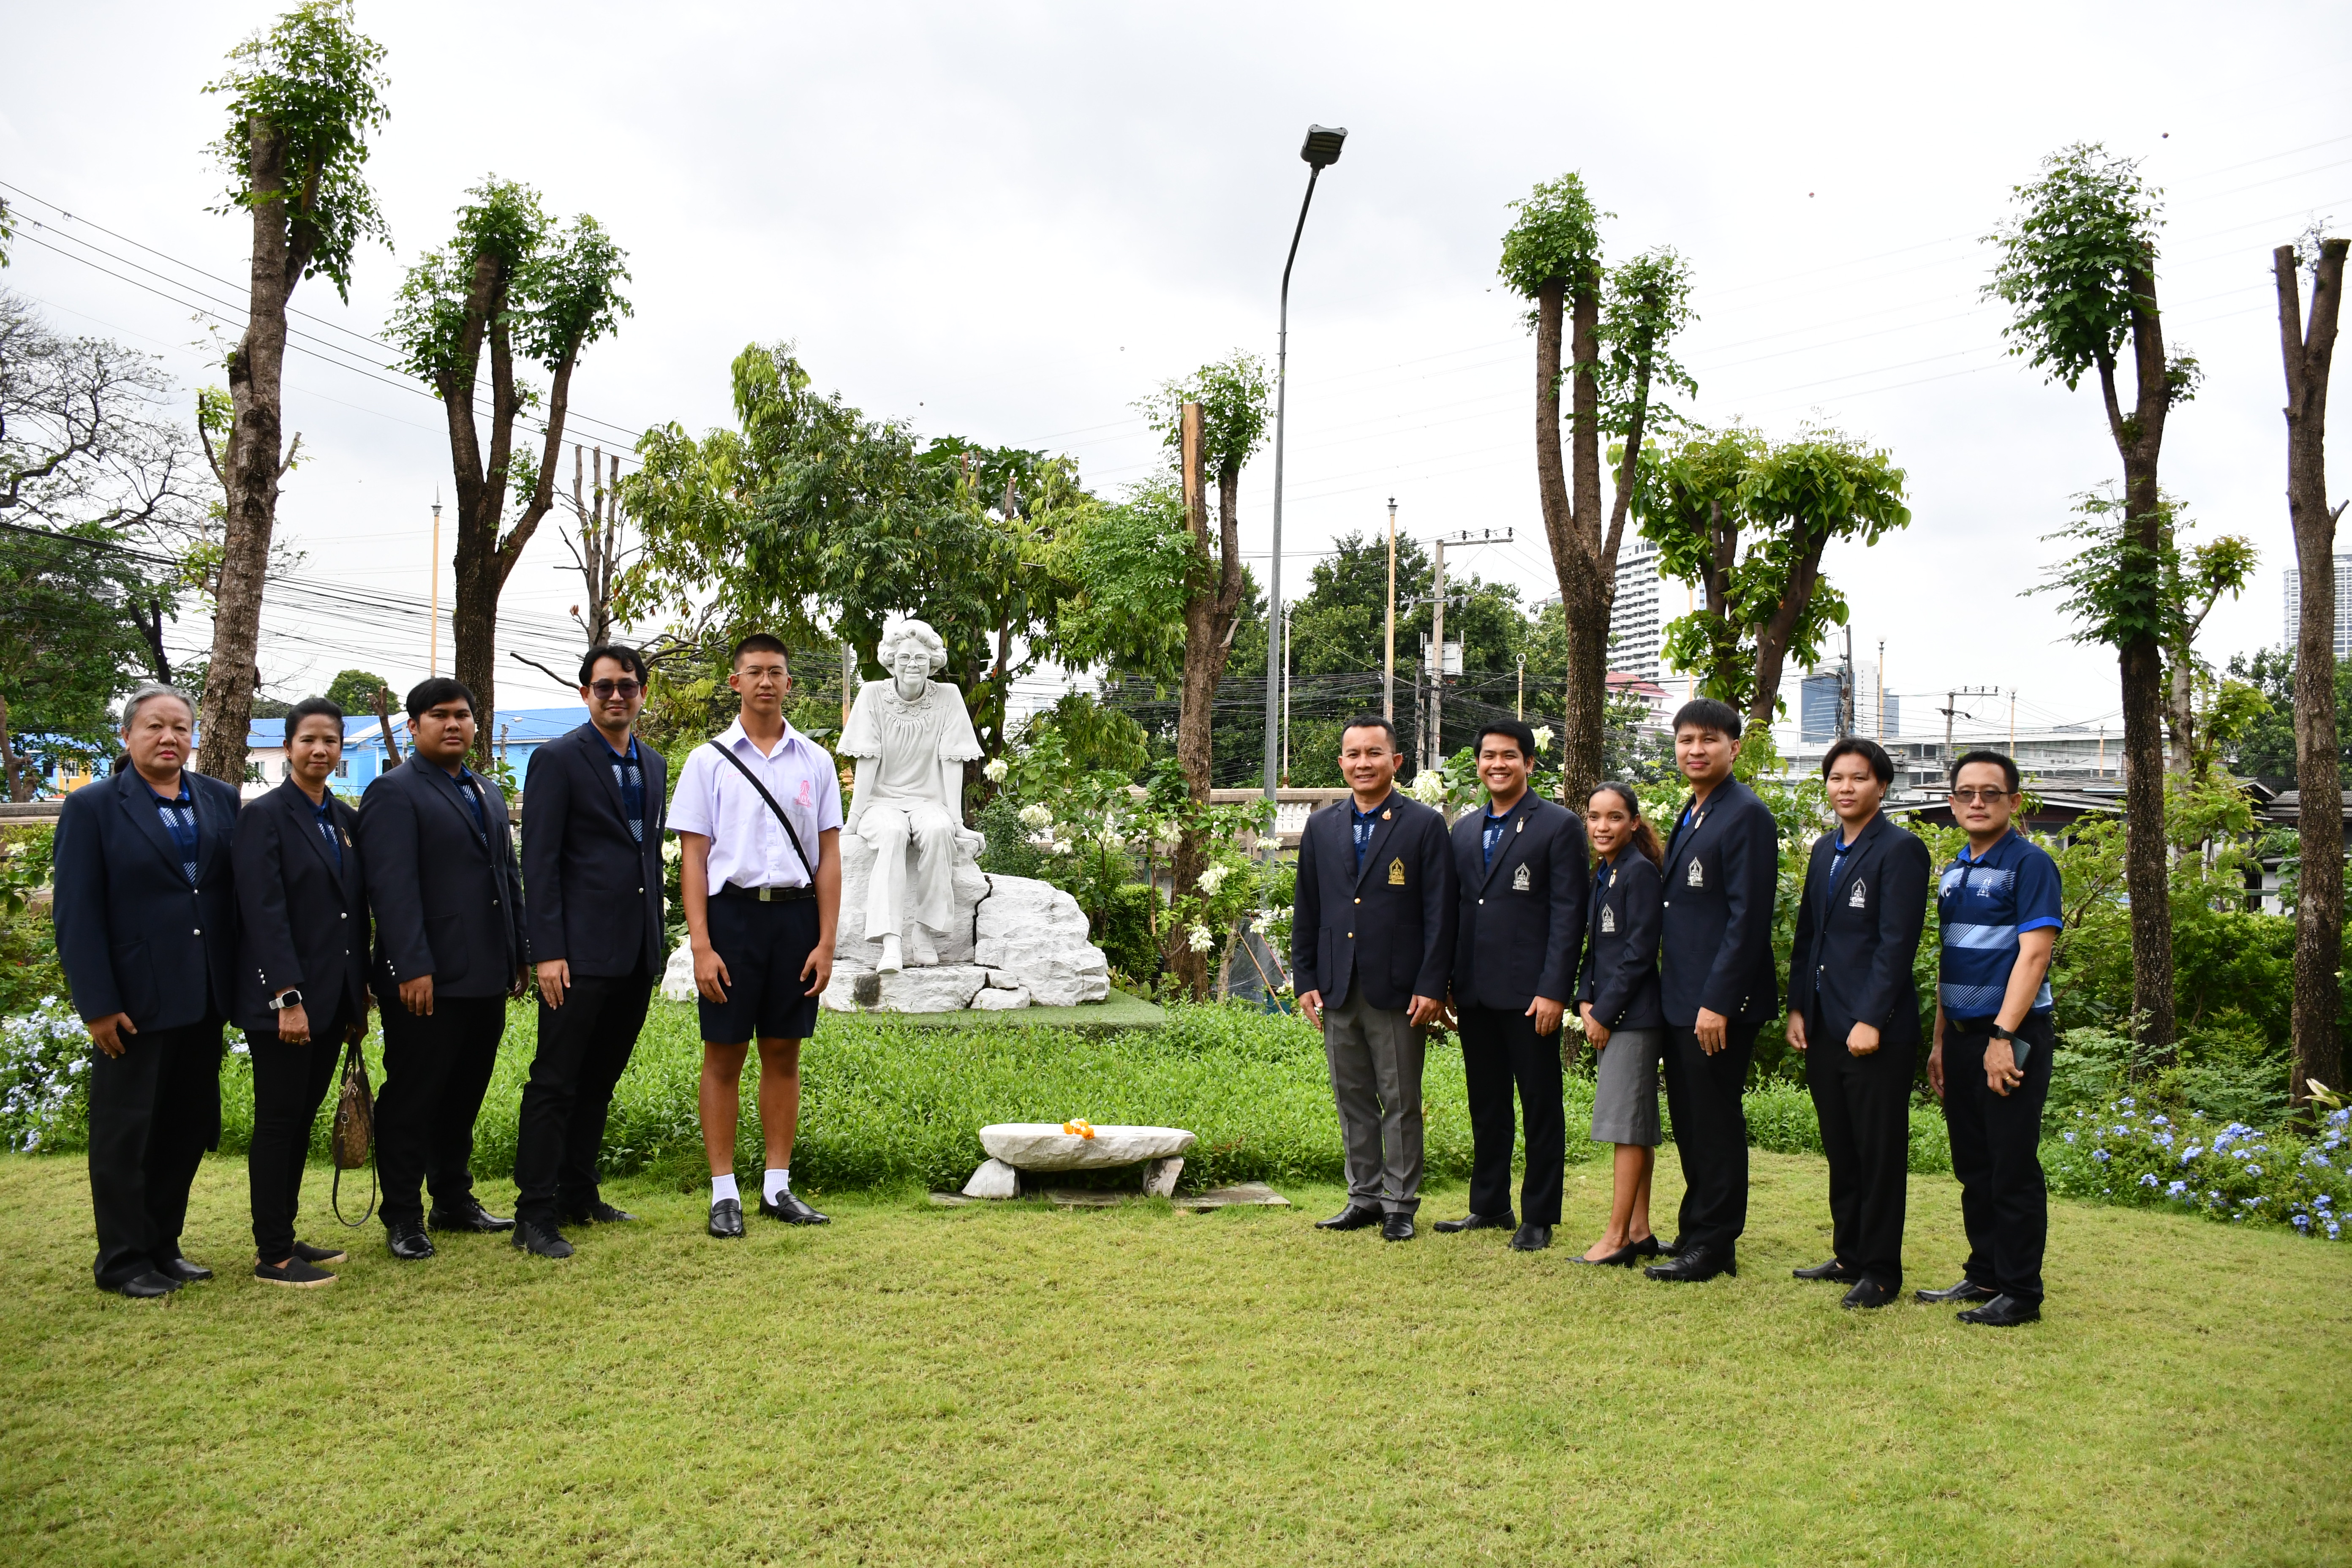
x,y
1016,1384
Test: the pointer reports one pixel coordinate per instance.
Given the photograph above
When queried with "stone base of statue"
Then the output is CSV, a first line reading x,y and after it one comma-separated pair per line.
x,y
1013,943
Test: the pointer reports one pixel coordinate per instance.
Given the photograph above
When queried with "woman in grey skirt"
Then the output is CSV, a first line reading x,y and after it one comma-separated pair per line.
x,y
1617,997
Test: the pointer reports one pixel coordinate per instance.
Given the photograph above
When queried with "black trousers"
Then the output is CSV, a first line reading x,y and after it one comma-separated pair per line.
x,y
290,1083
1710,1134
1501,1050
1863,1105
583,1047
436,1070
153,1112
1997,1155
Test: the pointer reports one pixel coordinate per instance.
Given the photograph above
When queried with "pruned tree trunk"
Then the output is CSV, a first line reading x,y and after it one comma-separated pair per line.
x,y
12,766
1210,612
1570,492
2319,908
2140,438
483,560
1773,637
255,373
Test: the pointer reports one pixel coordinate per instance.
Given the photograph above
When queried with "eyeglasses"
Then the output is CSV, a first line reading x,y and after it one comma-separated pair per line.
x,y
616,688
1985,796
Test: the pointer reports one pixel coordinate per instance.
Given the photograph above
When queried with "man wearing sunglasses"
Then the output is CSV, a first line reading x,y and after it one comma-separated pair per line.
x,y
1999,909
591,859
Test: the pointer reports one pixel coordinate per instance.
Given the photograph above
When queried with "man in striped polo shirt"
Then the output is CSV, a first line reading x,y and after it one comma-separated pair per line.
x,y
1999,908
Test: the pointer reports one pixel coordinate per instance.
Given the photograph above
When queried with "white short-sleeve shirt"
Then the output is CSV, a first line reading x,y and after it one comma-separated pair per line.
x,y
748,848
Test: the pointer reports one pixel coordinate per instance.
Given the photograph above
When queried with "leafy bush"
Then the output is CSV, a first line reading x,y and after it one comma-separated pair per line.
x,y
1781,1119
1126,937
29,971
44,1080
2125,1152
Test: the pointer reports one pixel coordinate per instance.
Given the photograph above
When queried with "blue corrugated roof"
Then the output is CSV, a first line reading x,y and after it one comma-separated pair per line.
x,y
515,726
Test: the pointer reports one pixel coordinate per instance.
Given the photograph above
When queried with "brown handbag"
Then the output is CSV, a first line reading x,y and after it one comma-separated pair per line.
x,y
353,1140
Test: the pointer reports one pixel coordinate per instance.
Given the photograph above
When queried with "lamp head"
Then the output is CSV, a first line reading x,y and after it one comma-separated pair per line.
x,y
1321,148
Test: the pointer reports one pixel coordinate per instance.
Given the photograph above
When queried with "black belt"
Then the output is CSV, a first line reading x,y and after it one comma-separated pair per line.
x,y
766,895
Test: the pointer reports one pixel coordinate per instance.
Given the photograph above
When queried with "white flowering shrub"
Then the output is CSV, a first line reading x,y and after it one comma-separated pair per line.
x,y
2124,1152
44,1080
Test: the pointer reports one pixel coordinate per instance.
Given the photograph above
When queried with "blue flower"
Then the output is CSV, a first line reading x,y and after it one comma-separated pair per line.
x,y
2301,1222
2175,1190
2147,1179
2334,1230
2070,1137
2125,1103
2162,1121
2100,1155
2254,1170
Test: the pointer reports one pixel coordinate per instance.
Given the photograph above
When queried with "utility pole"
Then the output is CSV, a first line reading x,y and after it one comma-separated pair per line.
x,y
1846,688
1437,630
1387,668
1435,733
1882,691
1951,707
433,616
2012,723
1522,710
1289,618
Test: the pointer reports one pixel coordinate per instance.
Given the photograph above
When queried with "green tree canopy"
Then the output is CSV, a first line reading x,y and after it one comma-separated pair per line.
x,y
354,690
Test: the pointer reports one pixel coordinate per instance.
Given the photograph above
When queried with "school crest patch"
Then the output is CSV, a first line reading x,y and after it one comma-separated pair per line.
x,y
1854,900
1520,883
1396,873
1697,877
1608,920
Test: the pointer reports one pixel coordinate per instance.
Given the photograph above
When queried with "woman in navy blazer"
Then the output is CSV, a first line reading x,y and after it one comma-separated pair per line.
x,y
1617,997
146,919
301,981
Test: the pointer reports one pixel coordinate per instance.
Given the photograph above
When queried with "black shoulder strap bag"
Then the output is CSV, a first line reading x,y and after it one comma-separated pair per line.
x,y
753,779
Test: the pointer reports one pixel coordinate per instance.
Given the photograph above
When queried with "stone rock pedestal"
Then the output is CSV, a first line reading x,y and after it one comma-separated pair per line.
x,y
1017,943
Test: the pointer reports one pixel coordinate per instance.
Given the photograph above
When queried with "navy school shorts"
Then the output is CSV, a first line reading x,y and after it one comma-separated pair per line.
x,y
763,947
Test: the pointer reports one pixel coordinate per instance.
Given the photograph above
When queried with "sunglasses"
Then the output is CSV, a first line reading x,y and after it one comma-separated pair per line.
x,y
616,688
1985,796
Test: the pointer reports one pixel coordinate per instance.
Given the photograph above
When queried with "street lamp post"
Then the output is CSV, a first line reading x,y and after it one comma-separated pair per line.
x,y
1320,152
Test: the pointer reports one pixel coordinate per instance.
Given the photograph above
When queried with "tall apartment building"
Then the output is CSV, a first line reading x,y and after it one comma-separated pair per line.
x,y
1636,620
2294,605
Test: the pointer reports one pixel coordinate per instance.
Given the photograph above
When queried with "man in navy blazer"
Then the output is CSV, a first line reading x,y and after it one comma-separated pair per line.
x,y
450,949
301,981
592,857
146,920
1718,982
1854,1010
1371,940
1521,864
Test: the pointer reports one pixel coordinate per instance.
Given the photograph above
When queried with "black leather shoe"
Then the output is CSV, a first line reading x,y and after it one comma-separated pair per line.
x,y
294,1272
1867,1293
1693,1264
1833,1270
1503,1221
184,1271
540,1240
599,1214
146,1287
727,1219
1651,1247
474,1216
791,1210
1355,1216
310,1254
408,1241
2003,1312
1531,1238
1966,1291
1397,1228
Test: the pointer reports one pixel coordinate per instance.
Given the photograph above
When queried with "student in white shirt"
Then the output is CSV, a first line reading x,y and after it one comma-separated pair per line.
x,y
761,882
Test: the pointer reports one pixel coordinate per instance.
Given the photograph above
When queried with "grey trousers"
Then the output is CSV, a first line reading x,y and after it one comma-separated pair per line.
x,y
1376,1057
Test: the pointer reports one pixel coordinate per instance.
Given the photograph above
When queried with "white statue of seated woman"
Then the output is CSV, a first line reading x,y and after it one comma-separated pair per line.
x,y
910,737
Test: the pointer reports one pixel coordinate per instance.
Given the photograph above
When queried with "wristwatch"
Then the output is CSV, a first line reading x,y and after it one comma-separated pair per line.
x,y
1997,1033
290,997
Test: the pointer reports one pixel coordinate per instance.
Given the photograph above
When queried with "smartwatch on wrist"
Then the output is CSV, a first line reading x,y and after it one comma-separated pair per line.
x,y
290,997
1997,1033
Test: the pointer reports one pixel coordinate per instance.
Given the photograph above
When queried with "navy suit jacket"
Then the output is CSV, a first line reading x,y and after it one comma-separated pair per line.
x,y
1389,928
446,905
302,920
1856,940
1521,921
1714,948
595,892
133,936
1621,958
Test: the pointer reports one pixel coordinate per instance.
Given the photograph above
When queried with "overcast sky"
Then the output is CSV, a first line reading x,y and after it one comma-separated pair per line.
x,y
1009,222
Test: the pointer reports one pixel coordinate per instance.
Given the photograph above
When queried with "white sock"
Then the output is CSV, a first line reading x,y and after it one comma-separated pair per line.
x,y
776,1182
723,1187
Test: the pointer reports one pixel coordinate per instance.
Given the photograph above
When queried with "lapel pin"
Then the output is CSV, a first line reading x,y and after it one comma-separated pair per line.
x,y
1386,815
